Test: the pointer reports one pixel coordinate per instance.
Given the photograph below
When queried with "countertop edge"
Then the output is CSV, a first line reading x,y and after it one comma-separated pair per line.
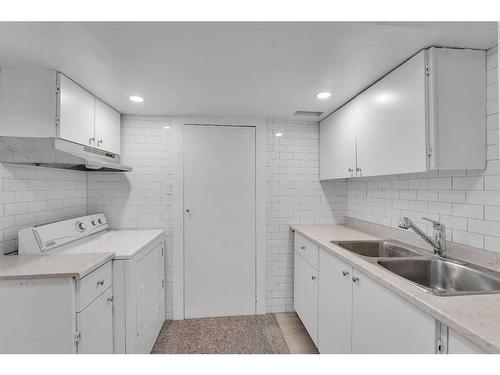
x,y
360,264
77,274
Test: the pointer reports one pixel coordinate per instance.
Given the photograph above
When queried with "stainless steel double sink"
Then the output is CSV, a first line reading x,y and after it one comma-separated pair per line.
x,y
432,274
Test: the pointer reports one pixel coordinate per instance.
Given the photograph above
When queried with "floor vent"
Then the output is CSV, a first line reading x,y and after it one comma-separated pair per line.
x,y
308,113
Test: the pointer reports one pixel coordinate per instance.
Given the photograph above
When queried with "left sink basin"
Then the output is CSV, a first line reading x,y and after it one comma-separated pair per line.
x,y
378,249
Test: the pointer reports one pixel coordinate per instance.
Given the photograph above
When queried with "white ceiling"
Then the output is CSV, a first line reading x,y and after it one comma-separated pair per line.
x,y
229,69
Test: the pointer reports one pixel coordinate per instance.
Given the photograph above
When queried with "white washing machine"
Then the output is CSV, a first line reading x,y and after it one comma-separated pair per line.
x,y
138,272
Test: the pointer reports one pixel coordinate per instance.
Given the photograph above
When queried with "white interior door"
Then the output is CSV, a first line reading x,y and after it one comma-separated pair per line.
x,y
219,220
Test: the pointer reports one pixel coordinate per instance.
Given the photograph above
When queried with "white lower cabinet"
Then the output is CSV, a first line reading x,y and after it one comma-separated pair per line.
x,y
457,344
306,295
60,315
382,322
345,311
95,326
334,305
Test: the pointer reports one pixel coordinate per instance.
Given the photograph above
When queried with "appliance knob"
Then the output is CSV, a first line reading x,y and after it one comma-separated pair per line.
x,y
99,221
94,222
80,226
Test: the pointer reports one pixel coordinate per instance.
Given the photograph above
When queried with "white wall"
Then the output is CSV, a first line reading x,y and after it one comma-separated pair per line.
x,y
35,195
145,198
466,201
294,195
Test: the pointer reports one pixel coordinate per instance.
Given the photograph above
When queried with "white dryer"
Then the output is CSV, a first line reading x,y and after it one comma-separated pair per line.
x,y
138,272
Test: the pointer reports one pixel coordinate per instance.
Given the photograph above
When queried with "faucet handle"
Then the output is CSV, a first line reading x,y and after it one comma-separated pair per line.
x,y
435,224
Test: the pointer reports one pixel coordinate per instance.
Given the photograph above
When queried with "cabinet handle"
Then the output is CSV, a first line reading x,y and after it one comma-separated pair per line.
x,y
350,170
313,277
91,140
302,248
110,299
358,169
99,142
100,283
345,273
355,279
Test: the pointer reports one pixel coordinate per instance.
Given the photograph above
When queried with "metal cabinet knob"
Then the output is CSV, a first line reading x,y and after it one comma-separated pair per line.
x,y
302,248
91,140
358,169
350,170
187,210
100,142
355,279
100,283
345,273
110,299
313,277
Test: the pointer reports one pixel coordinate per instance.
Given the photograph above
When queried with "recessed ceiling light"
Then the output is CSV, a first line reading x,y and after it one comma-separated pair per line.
x,y
324,95
278,134
136,98
166,127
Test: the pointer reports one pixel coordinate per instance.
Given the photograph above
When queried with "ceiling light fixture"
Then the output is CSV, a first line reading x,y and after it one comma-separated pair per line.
x,y
166,127
279,134
324,95
136,98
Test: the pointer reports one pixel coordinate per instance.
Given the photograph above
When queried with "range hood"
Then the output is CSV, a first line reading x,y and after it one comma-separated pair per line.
x,y
58,153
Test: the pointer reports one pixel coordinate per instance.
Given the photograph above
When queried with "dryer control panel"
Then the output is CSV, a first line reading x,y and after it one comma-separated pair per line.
x,y
46,237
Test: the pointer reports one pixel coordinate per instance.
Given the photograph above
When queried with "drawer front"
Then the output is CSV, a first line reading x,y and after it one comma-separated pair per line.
x,y
307,250
93,285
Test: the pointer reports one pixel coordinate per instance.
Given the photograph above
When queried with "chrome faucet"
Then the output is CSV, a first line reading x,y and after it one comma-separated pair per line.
x,y
437,243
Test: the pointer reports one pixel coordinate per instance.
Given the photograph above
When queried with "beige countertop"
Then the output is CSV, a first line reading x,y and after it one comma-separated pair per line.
x,y
49,266
476,317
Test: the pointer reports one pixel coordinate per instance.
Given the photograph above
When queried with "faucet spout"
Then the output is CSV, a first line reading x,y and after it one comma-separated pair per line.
x,y
437,243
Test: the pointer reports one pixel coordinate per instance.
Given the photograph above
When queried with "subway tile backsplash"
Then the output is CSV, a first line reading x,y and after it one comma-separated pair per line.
x,y
35,195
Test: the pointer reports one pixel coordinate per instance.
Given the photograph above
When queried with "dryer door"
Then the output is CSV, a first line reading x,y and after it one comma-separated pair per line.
x,y
150,293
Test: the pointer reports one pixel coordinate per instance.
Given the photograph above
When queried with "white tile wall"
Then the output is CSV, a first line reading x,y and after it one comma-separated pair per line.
x,y
35,195
294,195
141,199
466,201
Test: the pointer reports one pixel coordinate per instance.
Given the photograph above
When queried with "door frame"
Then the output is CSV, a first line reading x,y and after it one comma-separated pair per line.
x,y
178,263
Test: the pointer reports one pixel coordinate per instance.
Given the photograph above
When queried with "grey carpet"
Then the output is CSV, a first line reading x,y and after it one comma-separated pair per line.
x,y
253,334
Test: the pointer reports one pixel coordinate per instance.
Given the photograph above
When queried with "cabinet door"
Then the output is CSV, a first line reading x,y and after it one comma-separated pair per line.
x,y
392,121
334,305
76,112
384,323
338,143
457,344
107,127
95,324
306,296
150,297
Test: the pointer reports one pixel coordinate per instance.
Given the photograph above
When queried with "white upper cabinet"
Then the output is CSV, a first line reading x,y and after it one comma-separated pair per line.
x,y
390,126
76,112
338,144
428,113
85,119
107,127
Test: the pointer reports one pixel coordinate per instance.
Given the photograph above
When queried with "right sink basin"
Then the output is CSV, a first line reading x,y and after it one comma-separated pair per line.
x,y
444,277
